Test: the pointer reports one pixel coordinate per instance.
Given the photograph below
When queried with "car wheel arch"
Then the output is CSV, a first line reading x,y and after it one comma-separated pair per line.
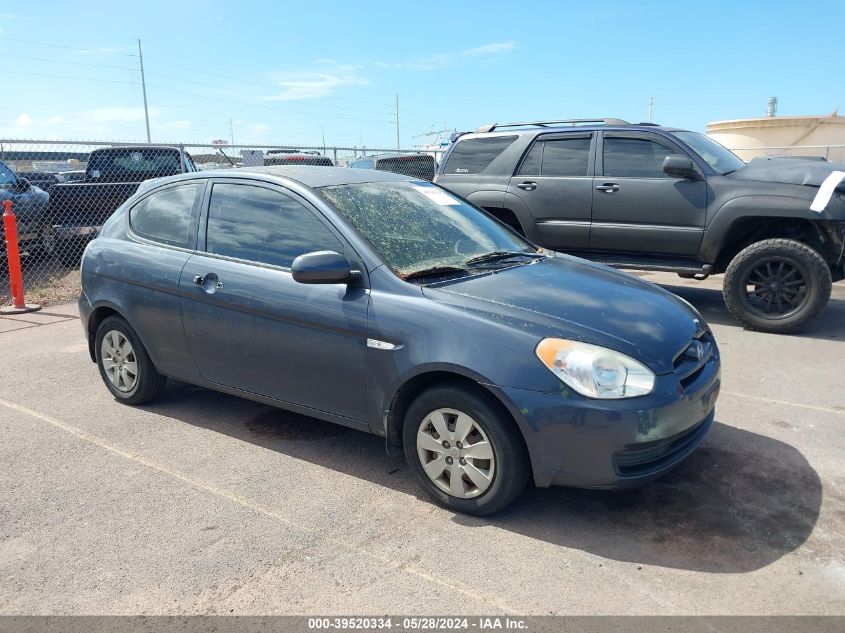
x,y
720,231
413,386
99,314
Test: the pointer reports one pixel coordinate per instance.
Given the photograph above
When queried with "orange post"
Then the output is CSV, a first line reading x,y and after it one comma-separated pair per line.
x,y
13,254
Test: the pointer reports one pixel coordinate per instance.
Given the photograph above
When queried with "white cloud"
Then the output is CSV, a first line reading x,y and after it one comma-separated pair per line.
x,y
316,84
441,60
23,120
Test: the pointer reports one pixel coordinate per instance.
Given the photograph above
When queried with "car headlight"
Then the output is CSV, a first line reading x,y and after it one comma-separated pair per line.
x,y
593,371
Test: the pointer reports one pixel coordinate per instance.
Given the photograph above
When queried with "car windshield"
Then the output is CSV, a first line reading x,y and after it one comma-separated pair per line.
x,y
717,156
417,227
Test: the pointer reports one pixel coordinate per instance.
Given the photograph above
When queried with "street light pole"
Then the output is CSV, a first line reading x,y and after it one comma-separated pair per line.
x,y
144,90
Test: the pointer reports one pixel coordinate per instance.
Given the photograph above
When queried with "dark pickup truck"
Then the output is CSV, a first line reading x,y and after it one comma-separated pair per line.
x,y
112,175
649,197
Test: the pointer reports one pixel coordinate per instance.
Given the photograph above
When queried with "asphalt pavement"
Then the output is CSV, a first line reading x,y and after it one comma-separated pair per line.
x,y
203,503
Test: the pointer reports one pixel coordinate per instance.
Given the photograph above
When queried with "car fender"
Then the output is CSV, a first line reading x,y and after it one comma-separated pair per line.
x,y
523,214
719,231
487,198
437,372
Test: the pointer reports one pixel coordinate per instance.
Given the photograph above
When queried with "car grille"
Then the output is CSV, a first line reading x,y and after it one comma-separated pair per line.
x,y
690,361
642,458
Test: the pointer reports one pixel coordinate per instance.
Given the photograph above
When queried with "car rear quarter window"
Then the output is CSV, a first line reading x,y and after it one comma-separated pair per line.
x,y
263,226
634,157
168,215
473,155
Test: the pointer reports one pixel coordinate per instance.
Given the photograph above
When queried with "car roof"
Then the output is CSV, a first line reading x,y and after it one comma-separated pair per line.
x,y
309,175
528,128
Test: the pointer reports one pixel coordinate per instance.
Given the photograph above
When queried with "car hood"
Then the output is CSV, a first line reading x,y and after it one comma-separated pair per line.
x,y
567,297
790,171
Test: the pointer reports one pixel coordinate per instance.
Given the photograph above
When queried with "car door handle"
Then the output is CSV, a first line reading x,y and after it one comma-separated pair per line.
x,y
201,280
608,187
527,186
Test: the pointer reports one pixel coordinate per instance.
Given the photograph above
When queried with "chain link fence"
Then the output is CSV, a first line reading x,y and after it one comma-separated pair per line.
x,y
62,192
834,153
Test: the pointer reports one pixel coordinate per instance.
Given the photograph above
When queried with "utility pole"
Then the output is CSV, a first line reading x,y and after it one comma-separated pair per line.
x,y
144,89
397,121
231,131
650,108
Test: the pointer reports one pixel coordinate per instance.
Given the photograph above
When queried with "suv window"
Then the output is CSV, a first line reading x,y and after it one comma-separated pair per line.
x,y
558,157
132,164
473,155
264,226
634,157
168,216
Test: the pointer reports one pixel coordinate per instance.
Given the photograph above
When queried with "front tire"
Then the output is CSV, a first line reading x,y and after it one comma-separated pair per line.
x,y
125,366
777,285
466,452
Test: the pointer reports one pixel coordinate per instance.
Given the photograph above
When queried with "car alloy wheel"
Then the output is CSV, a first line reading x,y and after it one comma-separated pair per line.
x,y
775,287
456,453
119,361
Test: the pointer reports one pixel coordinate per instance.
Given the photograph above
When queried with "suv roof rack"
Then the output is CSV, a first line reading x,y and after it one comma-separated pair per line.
x,y
497,126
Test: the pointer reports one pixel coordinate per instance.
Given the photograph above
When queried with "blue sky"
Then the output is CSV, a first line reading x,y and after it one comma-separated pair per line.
x,y
291,72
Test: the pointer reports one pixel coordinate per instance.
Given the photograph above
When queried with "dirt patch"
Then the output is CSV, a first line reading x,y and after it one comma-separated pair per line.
x,y
284,425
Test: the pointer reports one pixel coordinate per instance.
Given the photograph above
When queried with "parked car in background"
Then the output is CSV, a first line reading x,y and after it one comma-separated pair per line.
x,y
112,175
650,197
351,296
296,157
44,180
30,204
74,175
421,166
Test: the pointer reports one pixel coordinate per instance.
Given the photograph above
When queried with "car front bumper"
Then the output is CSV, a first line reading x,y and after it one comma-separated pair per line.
x,y
581,442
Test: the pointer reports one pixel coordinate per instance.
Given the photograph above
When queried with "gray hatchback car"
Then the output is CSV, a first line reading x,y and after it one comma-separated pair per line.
x,y
383,303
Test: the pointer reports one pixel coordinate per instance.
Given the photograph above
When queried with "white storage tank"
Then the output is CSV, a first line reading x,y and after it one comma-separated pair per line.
x,y
783,135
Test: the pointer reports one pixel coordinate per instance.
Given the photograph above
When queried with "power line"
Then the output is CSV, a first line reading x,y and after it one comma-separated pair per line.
x,y
64,61
70,48
263,107
251,94
106,81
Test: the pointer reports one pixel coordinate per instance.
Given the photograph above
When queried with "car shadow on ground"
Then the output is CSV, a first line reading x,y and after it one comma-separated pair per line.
x,y
829,326
739,503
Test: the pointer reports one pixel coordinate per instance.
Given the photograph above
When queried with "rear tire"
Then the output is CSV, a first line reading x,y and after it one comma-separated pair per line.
x,y
777,285
466,452
124,364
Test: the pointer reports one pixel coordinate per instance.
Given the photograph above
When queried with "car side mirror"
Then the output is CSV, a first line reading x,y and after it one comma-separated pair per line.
x,y
679,166
22,185
323,267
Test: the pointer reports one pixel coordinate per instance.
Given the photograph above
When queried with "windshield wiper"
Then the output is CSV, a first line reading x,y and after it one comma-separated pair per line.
x,y
499,255
434,271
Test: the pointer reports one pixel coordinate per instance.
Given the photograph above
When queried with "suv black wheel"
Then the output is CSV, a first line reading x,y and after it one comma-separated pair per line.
x,y
124,364
777,286
467,454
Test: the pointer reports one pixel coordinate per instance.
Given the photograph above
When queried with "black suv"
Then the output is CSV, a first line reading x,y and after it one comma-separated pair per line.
x,y
649,197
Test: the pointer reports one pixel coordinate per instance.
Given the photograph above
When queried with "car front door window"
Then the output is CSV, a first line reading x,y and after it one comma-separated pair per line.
x,y
263,226
628,157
